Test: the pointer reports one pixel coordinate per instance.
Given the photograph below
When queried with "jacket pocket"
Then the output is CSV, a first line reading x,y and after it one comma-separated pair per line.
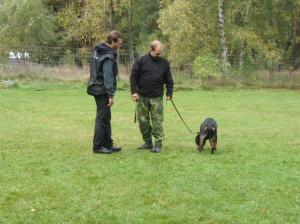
x,y
95,88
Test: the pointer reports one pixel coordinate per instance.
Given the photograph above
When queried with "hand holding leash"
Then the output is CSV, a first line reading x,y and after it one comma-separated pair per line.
x,y
135,97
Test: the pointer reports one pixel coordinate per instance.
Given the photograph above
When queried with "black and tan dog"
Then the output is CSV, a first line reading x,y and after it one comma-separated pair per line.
x,y
208,130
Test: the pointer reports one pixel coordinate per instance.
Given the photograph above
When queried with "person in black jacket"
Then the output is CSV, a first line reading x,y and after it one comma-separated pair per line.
x,y
148,76
102,85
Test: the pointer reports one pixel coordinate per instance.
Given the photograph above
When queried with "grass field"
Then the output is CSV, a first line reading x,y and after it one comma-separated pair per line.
x,y
48,173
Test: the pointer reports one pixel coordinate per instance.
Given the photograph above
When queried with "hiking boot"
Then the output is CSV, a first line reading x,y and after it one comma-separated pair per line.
x,y
146,145
115,149
156,148
103,150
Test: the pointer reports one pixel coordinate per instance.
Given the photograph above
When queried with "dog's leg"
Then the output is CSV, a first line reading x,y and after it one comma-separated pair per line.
x,y
200,147
202,143
211,142
197,141
211,145
214,144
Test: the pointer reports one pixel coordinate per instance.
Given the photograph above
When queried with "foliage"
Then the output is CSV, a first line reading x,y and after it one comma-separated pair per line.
x,y
189,28
26,22
253,28
206,66
83,23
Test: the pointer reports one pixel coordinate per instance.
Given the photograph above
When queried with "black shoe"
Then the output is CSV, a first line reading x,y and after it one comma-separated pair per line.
x,y
146,145
103,150
115,149
156,148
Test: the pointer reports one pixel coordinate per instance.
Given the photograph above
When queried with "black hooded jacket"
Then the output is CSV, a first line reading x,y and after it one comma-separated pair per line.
x,y
103,70
149,75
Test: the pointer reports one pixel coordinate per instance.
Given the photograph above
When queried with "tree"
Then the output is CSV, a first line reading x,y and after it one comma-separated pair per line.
x,y
295,21
26,22
84,22
191,28
257,28
223,46
138,29
250,28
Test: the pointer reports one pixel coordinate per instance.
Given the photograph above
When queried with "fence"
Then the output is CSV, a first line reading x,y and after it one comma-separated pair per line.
x,y
71,64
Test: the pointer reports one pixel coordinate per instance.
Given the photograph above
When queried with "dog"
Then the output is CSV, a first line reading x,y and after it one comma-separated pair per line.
x,y
208,130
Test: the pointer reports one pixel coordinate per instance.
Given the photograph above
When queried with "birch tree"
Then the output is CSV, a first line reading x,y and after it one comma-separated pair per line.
x,y
223,45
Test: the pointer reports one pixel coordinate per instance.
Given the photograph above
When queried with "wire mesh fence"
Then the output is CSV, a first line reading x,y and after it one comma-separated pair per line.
x,y
58,63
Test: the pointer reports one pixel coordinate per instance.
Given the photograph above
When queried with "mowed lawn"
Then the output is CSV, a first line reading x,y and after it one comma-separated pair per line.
x,y
48,173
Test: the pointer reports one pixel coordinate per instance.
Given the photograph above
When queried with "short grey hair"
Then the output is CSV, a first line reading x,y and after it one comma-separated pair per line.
x,y
155,44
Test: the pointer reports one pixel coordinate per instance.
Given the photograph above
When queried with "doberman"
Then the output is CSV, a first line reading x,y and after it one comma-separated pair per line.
x,y
208,130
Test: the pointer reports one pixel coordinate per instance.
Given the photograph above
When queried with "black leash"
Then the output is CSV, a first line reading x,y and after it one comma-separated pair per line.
x,y
181,117
177,113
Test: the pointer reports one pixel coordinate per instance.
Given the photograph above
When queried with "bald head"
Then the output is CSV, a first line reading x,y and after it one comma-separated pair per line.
x,y
156,48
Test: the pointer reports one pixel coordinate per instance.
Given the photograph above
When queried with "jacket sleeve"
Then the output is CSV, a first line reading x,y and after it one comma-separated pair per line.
x,y
169,81
108,76
134,77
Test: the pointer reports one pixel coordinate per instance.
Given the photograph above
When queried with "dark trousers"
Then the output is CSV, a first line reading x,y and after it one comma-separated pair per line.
x,y
102,133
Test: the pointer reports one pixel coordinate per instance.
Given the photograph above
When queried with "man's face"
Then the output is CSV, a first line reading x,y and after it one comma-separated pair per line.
x,y
156,53
117,44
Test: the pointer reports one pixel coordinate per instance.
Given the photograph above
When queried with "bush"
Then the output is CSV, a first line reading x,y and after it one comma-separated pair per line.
x,y
207,66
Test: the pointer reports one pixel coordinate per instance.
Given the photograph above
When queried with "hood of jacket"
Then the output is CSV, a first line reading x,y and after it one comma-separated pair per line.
x,y
103,48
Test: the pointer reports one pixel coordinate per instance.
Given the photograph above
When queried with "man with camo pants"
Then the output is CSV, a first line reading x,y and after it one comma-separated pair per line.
x,y
149,74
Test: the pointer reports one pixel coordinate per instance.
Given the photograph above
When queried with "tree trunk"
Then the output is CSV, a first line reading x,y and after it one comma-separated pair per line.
x,y
241,59
244,43
294,37
223,45
110,19
130,34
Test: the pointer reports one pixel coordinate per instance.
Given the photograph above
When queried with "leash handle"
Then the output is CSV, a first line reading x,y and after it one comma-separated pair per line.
x,y
181,117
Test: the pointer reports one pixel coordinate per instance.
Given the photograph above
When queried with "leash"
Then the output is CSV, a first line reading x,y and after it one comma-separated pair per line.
x,y
177,113
181,116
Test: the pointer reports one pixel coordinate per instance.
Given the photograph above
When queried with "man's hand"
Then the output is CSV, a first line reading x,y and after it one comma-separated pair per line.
x,y
110,101
168,98
135,97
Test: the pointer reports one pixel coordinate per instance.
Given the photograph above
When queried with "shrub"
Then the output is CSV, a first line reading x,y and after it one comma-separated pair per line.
x,y
207,66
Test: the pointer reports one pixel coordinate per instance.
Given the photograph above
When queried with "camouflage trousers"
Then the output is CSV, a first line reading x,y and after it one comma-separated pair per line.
x,y
150,117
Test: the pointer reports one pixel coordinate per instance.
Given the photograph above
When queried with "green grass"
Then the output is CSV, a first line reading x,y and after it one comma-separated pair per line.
x,y
48,173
